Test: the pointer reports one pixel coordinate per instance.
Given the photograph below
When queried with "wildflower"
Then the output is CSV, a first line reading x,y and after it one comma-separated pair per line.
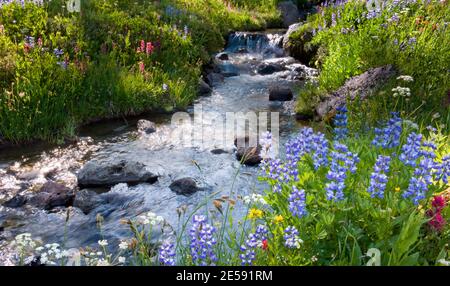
x,y
333,19
267,151
142,46
422,178
278,219
167,254
254,199
254,241
58,52
319,150
443,170
395,18
255,213
379,178
265,244
411,150
202,241
438,203
165,87
291,238
297,202
103,262
149,48
437,221
340,121
103,242
141,67
397,189
406,78
389,135
121,259
123,245
150,218
412,41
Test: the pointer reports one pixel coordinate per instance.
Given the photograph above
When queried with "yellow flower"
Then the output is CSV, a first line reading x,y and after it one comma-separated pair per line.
x,y
255,213
397,189
278,219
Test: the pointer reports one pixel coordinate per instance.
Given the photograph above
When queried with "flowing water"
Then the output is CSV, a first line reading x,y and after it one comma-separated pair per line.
x,y
23,169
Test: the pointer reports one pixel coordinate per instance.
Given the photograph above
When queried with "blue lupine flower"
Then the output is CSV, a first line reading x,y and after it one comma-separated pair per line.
x,y
333,20
253,241
167,254
320,150
278,172
389,136
291,238
340,122
202,241
395,18
411,150
428,149
342,161
421,180
58,52
412,41
443,171
297,202
379,177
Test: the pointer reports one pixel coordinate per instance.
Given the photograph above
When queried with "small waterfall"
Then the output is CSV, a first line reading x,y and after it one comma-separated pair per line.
x,y
261,43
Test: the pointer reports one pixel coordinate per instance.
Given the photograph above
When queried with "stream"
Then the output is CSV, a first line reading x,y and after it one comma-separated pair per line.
x,y
217,174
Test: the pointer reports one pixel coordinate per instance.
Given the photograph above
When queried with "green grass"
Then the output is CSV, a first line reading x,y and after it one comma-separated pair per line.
x,y
354,44
41,100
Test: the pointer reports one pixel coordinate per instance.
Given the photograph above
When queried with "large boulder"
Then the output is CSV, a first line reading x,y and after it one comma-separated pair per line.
x,y
146,127
278,93
297,43
184,186
358,86
16,202
214,79
247,153
53,195
106,173
289,13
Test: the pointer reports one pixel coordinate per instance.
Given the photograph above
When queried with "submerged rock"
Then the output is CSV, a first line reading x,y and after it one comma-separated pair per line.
x,y
280,94
146,127
289,13
53,195
16,202
223,56
110,172
218,151
246,153
268,68
86,201
184,186
358,86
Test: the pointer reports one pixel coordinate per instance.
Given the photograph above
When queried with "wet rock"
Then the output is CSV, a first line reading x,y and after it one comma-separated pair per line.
x,y
246,152
223,56
280,94
214,79
303,72
289,13
16,202
184,186
298,44
146,126
218,151
229,70
86,201
358,86
53,195
267,68
203,88
108,173
242,51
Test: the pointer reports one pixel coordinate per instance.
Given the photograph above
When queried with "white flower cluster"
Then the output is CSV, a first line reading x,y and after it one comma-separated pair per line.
x,y
254,199
401,91
24,246
406,78
150,218
52,254
267,150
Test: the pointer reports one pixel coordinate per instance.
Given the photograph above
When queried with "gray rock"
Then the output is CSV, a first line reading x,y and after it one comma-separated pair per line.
x,y
267,68
184,186
358,86
53,195
246,153
112,172
146,127
223,56
300,46
16,202
292,29
203,88
218,151
215,79
289,13
280,94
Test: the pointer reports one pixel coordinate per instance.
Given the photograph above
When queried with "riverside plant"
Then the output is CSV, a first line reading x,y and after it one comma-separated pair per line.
x,y
329,202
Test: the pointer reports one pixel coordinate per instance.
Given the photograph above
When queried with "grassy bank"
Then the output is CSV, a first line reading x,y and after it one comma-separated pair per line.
x,y
115,58
349,37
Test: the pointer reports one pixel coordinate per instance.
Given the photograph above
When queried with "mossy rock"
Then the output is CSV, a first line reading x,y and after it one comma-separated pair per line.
x,y
298,43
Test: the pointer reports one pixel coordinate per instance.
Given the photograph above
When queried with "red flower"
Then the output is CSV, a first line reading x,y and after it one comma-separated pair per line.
x,y
265,244
149,48
142,48
141,67
437,222
438,203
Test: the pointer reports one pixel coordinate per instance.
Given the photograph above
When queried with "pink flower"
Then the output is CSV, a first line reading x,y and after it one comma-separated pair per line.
x,y
39,42
149,48
438,203
142,46
141,67
437,222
